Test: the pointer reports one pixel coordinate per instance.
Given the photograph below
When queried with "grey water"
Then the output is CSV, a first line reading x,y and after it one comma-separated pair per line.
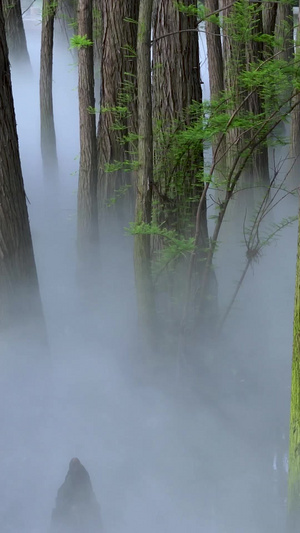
x,y
206,455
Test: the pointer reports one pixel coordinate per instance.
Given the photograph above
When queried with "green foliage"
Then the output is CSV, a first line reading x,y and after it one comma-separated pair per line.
x,y
80,41
49,8
176,245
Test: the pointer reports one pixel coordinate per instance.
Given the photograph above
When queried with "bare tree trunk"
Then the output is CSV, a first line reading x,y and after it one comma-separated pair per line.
x,y
87,222
48,138
214,53
19,291
295,130
118,90
215,71
143,279
15,34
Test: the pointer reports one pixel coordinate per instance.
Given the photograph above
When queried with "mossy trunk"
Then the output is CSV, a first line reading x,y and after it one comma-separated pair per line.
x,y
294,450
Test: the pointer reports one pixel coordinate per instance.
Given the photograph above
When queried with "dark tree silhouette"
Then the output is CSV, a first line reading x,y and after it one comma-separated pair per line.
x,y
19,289
76,509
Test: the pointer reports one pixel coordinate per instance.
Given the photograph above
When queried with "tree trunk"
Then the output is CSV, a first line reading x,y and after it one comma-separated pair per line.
x,y
20,302
176,72
176,84
284,28
48,138
215,71
143,279
118,90
177,187
87,222
294,450
295,130
15,33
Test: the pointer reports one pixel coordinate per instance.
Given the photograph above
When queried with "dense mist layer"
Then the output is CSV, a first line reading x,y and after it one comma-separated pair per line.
x,y
202,452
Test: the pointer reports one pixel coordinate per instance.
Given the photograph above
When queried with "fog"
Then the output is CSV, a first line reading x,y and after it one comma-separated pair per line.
x,y
204,452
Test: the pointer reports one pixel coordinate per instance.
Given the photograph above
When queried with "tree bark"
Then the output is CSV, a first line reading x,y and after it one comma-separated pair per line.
x,y
143,279
19,290
48,138
87,221
176,84
118,88
15,33
295,130
215,71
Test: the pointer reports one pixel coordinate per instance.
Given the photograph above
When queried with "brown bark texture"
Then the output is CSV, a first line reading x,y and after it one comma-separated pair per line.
x,y
238,56
19,291
216,76
176,84
47,127
214,53
295,129
15,33
176,70
87,220
118,88
143,278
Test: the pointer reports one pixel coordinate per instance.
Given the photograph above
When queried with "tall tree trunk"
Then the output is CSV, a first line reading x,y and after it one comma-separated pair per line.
x,y
176,84
215,72
294,450
118,89
87,221
19,291
240,53
295,130
15,33
177,187
284,31
144,287
48,138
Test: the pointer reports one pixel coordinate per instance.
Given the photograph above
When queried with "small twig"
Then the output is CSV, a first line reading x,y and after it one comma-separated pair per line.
x,y
27,8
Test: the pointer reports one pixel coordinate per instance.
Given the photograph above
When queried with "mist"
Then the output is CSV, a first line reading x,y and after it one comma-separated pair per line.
x,y
202,452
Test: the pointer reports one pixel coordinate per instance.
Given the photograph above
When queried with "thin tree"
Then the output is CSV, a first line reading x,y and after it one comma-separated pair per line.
x,y
215,64
87,220
47,127
143,279
15,33
295,130
19,290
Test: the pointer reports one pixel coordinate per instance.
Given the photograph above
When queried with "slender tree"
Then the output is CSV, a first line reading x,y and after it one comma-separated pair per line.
x,y
144,287
295,130
87,222
14,27
48,138
19,290
215,64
